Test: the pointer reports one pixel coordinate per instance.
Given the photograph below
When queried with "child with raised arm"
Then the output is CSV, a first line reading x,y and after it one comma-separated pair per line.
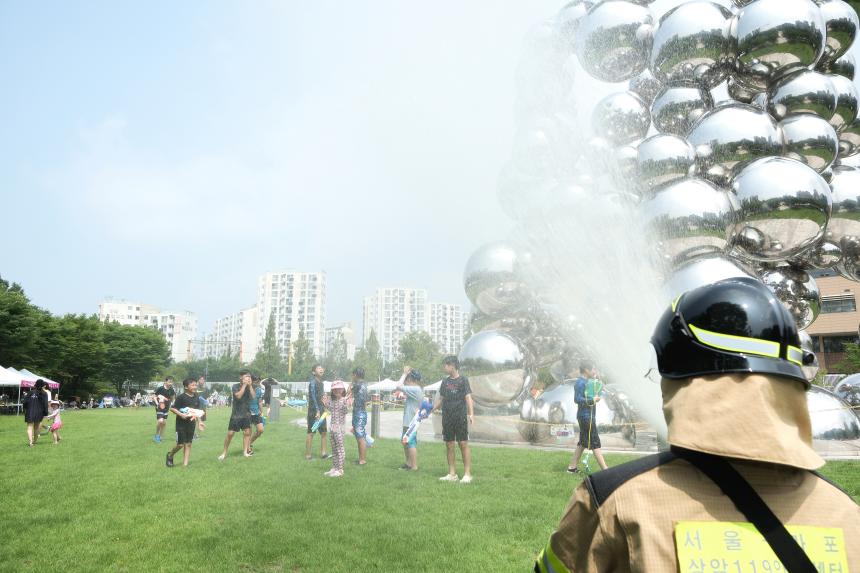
x,y
409,385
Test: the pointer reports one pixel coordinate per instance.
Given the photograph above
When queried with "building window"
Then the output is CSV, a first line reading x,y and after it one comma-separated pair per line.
x,y
835,344
838,304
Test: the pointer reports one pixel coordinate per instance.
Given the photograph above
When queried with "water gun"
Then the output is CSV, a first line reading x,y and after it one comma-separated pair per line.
x,y
195,413
593,388
422,414
368,439
321,419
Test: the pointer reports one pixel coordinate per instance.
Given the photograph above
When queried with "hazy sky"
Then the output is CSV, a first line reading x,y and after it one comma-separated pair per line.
x,y
171,152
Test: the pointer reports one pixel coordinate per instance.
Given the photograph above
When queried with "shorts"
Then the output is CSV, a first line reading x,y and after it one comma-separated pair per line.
x,y
161,414
312,420
455,428
359,423
413,441
237,424
256,419
588,436
56,426
185,433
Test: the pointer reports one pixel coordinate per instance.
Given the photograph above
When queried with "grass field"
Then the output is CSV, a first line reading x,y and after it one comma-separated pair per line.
x,y
102,500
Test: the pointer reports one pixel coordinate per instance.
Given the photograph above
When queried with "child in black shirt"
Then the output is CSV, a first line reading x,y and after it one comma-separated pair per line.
x,y
186,422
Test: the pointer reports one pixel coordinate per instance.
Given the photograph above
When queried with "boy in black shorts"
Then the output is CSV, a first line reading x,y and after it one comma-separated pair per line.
x,y
455,398
163,397
186,422
240,418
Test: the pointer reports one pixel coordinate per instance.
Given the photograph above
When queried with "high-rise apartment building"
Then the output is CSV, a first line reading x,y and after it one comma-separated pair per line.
x,y
297,301
391,313
331,335
179,328
446,326
235,334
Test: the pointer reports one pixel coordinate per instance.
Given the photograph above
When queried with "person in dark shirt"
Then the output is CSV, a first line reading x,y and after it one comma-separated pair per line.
x,y
316,408
163,397
585,417
186,421
455,399
359,413
35,405
240,417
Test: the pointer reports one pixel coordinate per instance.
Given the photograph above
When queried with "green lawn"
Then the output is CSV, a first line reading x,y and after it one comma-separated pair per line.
x,y
103,500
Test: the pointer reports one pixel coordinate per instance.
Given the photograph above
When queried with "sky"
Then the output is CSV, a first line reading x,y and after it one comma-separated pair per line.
x,y
171,152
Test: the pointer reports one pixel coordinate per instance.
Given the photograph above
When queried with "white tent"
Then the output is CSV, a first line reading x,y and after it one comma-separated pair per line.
x,y
8,378
28,379
387,385
433,387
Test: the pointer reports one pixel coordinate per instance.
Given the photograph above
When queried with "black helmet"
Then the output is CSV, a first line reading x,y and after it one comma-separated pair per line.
x,y
734,325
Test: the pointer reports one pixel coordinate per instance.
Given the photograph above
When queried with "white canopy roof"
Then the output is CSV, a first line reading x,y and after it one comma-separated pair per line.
x,y
387,385
8,378
433,387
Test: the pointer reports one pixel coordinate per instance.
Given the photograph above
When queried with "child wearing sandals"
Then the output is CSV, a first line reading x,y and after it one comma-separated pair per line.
x,y
337,409
57,421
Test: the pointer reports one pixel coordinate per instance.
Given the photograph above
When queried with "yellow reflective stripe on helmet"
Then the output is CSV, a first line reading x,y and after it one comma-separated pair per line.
x,y
675,302
795,355
734,343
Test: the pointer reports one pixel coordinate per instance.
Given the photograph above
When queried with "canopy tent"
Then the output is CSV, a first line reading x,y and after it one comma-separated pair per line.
x,y
433,387
387,385
28,379
8,378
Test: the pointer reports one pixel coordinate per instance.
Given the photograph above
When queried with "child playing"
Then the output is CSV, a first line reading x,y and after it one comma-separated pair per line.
x,y
338,408
409,384
57,421
186,420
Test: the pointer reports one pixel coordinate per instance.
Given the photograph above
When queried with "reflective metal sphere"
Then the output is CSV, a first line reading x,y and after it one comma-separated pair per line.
x,y
841,23
701,272
621,118
731,136
849,140
775,37
646,86
740,92
568,18
848,389
846,102
692,45
835,426
784,204
676,109
824,256
805,91
662,159
809,139
498,366
492,282
844,227
807,344
613,40
797,291
843,66
689,219
614,415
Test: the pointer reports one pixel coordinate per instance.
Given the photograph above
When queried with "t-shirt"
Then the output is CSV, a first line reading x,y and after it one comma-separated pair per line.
x,y
359,397
414,395
168,393
241,406
254,405
316,389
453,392
185,401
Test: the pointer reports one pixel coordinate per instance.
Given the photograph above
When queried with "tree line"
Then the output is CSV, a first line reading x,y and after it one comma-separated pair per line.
x,y
90,357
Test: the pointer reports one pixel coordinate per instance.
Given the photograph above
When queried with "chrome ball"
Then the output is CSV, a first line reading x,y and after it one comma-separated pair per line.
x,y
775,37
840,21
492,281
692,45
844,227
676,109
613,40
689,219
846,103
784,204
662,159
621,118
700,272
810,140
646,86
796,290
803,92
499,367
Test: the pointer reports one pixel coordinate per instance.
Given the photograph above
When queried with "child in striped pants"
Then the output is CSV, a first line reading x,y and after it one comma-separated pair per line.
x,y
337,408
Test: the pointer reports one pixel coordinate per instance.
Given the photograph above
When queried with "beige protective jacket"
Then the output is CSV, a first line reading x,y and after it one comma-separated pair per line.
x,y
761,423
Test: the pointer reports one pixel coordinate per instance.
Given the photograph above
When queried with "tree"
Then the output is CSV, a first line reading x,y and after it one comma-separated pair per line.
x,y
20,323
80,353
133,355
418,350
337,362
302,360
850,362
370,358
269,361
